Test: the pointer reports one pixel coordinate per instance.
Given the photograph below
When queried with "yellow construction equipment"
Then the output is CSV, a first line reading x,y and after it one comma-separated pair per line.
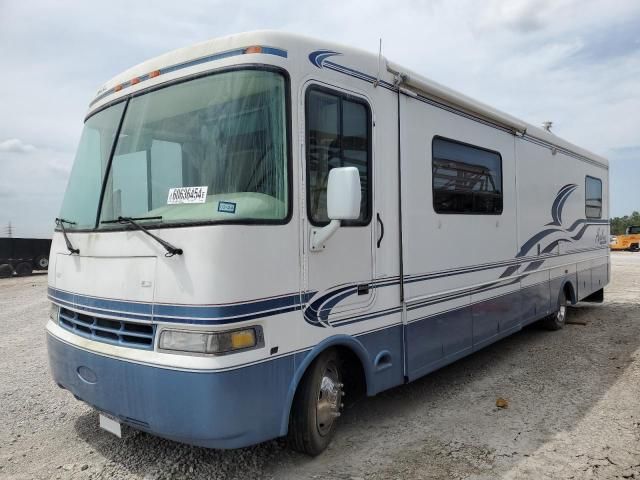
x,y
629,241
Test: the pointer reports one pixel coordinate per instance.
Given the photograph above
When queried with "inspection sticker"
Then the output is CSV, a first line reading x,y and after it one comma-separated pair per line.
x,y
187,195
227,207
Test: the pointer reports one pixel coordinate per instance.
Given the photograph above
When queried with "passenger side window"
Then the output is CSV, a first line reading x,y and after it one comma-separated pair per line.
x,y
593,197
338,134
466,179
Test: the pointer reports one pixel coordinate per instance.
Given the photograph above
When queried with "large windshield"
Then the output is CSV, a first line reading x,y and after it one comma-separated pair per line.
x,y
80,204
209,149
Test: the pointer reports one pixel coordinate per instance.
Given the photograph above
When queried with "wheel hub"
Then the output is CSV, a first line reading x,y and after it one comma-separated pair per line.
x,y
329,399
562,312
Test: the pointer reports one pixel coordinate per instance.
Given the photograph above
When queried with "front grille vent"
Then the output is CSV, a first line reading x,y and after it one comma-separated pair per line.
x,y
115,332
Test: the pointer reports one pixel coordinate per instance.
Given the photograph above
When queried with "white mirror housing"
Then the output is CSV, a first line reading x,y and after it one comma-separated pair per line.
x,y
343,203
343,194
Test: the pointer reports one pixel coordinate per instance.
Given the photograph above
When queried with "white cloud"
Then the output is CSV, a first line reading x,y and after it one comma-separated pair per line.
x,y
16,145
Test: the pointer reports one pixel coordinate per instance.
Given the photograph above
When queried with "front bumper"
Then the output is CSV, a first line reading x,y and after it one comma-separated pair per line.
x,y
228,409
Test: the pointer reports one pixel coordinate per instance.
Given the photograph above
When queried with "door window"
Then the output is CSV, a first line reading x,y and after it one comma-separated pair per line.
x,y
338,134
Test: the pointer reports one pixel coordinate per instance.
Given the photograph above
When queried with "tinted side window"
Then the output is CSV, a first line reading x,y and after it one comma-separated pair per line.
x,y
337,135
466,179
593,197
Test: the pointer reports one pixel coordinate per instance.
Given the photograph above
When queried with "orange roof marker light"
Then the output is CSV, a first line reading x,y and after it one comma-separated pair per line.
x,y
253,49
154,74
117,88
135,81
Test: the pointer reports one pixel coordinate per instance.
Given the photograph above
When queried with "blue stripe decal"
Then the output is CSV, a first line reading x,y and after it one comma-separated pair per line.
x,y
316,313
369,316
97,312
191,63
194,314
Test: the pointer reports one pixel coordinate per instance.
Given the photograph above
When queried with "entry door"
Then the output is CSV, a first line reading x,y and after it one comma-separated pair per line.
x,y
338,130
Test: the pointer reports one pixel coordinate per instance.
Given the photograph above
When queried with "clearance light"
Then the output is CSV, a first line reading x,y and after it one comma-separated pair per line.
x,y
117,88
135,81
218,343
253,49
154,74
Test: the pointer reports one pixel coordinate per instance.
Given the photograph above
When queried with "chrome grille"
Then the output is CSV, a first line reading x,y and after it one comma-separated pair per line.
x,y
115,332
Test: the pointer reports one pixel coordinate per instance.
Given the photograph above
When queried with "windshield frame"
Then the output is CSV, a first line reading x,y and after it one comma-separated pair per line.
x,y
198,223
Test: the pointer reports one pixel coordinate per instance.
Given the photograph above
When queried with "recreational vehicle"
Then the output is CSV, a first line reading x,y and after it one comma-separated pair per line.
x,y
259,227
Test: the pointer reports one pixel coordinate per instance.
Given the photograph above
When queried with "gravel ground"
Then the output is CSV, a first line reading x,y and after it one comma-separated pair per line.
x,y
573,410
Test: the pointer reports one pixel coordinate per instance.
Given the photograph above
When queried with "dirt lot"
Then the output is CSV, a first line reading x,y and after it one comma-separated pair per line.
x,y
574,410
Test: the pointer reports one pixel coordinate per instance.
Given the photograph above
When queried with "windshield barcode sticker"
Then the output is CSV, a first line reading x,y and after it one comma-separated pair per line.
x,y
227,207
187,195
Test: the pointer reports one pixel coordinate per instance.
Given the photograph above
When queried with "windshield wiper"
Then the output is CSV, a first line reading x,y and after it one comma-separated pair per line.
x,y
60,222
171,250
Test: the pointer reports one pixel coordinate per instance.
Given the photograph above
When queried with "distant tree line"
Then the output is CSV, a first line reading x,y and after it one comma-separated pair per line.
x,y
620,224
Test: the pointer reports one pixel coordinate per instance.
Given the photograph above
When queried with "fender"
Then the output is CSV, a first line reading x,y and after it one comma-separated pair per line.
x,y
336,341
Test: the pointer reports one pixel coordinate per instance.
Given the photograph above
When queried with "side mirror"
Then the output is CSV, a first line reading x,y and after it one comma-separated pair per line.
x,y
343,194
343,203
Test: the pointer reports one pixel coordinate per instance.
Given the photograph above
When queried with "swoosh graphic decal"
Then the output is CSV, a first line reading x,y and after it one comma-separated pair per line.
x,y
558,204
317,312
319,56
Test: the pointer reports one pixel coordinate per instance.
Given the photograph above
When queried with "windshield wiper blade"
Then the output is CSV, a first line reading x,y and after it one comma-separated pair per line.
x,y
127,219
171,250
60,222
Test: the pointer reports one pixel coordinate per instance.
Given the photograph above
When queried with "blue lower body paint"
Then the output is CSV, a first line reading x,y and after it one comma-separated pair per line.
x,y
227,409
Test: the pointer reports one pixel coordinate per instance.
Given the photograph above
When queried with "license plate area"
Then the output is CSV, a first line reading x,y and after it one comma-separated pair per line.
x,y
110,424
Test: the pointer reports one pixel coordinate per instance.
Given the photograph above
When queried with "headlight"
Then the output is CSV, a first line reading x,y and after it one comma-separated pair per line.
x,y
54,312
216,343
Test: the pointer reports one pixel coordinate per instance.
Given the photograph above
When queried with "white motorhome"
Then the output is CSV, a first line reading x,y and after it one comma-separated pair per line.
x,y
257,225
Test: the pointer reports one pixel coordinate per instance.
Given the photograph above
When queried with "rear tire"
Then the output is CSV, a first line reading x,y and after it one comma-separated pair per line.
x,y
41,262
316,406
558,319
23,269
6,270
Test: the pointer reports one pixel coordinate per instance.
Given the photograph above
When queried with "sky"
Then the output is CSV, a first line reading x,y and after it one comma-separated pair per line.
x,y
574,62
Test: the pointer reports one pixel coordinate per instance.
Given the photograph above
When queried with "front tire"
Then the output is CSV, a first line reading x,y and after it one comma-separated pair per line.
x,y
557,320
316,406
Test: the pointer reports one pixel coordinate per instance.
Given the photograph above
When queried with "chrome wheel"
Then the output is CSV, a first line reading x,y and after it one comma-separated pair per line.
x,y
562,313
328,403
556,320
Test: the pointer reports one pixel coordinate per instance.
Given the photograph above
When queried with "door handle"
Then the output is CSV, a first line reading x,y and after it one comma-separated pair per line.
x,y
381,229
363,289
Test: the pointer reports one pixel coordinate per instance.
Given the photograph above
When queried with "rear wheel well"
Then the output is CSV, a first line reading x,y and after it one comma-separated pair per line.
x,y
569,293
